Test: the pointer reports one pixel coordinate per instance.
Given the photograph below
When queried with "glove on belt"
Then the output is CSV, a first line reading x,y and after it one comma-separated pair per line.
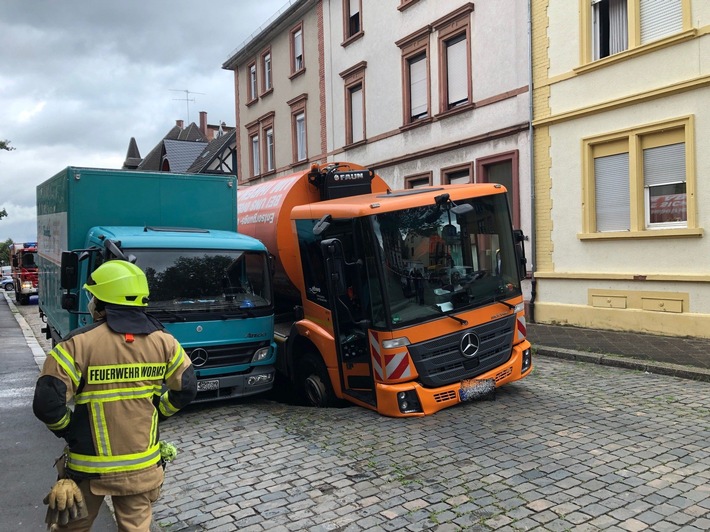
x,y
65,502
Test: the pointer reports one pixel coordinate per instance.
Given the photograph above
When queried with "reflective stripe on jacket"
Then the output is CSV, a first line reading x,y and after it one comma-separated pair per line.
x,y
117,384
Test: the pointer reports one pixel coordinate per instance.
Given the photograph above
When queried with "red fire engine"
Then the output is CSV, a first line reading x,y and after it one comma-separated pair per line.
x,y
24,271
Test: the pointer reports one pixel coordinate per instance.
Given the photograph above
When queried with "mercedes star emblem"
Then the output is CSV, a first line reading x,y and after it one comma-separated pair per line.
x,y
199,357
470,344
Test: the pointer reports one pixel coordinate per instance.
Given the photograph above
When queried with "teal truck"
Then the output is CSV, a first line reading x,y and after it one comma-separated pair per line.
x,y
209,286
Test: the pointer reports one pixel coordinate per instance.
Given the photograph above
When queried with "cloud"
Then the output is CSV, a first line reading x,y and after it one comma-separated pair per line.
x,y
79,79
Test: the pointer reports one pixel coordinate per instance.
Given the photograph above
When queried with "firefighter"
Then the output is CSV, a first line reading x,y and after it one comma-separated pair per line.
x,y
115,369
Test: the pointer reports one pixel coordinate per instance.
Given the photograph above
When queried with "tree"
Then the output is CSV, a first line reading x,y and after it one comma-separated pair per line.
x,y
5,145
5,251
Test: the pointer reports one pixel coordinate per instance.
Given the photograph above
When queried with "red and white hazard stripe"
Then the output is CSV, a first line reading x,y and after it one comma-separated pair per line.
x,y
522,330
376,357
397,366
392,367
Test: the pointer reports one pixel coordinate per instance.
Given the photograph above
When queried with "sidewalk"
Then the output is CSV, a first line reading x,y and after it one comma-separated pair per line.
x,y
666,355
27,449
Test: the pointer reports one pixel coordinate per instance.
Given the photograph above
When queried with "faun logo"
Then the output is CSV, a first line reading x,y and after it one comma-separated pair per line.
x,y
355,176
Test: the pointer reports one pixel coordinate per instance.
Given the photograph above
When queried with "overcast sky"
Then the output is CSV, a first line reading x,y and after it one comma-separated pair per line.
x,y
78,79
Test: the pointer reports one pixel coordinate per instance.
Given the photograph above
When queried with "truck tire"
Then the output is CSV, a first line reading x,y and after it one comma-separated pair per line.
x,y
314,383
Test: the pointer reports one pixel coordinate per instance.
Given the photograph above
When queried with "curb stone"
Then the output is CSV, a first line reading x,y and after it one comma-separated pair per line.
x,y
658,368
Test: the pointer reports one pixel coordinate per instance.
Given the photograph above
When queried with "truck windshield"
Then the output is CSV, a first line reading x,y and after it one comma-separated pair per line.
x,y
436,262
205,280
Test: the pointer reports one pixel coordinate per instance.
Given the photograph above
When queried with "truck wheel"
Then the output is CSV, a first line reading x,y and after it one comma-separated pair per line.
x,y
314,383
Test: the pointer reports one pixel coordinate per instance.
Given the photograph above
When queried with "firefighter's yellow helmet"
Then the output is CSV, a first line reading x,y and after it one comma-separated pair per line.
x,y
119,282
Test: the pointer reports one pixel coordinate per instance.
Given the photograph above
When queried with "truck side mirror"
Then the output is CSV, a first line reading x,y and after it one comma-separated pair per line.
x,y
333,253
70,301
69,270
519,237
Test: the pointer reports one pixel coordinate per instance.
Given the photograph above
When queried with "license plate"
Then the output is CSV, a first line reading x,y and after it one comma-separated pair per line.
x,y
205,386
472,389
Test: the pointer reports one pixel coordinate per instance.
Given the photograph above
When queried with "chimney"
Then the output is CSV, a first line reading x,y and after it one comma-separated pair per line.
x,y
180,124
203,122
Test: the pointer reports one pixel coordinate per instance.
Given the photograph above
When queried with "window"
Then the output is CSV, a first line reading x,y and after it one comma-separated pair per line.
x,y
269,150
664,184
618,25
457,175
252,82
266,69
418,87
641,179
300,128
455,59
456,79
354,79
254,158
502,168
418,180
299,136
415,73
297,63
352,18
355,101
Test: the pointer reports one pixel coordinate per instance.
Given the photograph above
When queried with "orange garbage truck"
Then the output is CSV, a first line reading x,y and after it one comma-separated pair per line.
x,y
404,302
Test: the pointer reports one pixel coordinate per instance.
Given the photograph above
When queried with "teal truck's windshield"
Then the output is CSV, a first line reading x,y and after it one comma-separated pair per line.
x,y
437,262
205,280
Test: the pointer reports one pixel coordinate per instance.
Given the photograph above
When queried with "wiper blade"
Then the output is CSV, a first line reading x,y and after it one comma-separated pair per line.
x,y
499,299
455,318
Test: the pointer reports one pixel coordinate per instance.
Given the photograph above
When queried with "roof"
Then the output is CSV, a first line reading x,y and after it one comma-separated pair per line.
x,y
211,152
292,9
181,154
154,160
133,156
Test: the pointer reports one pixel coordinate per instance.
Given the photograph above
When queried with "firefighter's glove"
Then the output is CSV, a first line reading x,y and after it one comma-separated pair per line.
x,y
65,503
168,451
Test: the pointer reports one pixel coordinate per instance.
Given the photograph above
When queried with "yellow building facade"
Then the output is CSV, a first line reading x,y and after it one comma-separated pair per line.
x,y
621,199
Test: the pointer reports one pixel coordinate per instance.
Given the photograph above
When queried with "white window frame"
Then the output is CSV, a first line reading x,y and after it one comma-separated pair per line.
x,y
635,23
255,156
297,52
631,143
252,82
267,72
300,129
269,149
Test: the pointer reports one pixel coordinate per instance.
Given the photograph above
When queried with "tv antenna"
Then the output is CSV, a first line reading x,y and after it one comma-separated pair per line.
x,y
186,99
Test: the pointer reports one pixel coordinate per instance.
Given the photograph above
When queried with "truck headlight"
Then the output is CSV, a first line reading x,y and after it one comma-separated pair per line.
x,y
27,285
527,360
395,342
257,380
408,402
261,354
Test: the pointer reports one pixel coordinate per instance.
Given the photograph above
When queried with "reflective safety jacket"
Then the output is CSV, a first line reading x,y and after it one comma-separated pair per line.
x,y
117,382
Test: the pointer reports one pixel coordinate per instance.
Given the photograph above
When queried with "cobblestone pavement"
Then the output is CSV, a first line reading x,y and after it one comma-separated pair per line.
x,y
575,446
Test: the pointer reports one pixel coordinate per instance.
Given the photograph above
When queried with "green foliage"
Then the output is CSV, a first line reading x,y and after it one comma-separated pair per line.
x,y
3,213
5,251
5,145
